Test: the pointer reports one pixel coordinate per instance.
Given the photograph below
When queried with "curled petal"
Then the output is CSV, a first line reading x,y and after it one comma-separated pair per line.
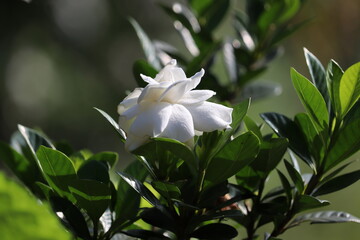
x,y
170,73
152,119
152,92
130,100
210,116
195,80
148,79
175,91
180,125
196,96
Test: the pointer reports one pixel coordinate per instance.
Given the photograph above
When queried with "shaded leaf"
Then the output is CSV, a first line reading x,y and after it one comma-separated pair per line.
x,y
295,176
307,202
113,123
167,190
215,231
157,218
109,159
144,234
94,170
260,90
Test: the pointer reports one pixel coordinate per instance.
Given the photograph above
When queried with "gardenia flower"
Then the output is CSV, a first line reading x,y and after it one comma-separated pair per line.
x,y
168,107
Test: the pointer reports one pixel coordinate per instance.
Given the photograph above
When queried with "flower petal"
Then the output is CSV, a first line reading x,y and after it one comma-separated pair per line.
x,y
195,80
170,73
133,142
196,96
152,119
210,116
130,100
180,125
175,91
152,92
148,79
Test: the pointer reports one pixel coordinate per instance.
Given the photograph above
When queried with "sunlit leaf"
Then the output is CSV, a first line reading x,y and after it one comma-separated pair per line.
x,y
349,90
325,217
307,202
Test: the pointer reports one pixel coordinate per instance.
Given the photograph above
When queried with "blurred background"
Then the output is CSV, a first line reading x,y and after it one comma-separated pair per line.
x,y
61,58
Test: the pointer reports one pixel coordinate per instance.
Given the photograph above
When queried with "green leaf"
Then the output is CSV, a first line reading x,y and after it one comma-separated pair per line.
x,y
349,90
157,218
232,158
215,231
318,76
144,234
295,176
18,164
312,100
57,168
325,217
253,127
143,67
113,123
239,112
285,127
286,185
315,139
92,196
146,44
141,189
108,158
128,200
94,170
334,74
158,147
338,183
307,202
346,143
212,15
23,217
167,190
46,190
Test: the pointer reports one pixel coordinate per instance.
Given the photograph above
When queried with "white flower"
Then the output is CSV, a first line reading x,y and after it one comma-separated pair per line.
x,y
169,107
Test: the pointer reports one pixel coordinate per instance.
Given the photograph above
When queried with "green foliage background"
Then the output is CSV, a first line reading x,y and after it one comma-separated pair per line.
x,y
54,69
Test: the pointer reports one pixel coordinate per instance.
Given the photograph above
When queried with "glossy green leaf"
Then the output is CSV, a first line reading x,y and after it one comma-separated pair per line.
x,y
338,183
157,147
232,158
146,44
253,127
239,112
143,67
312,100
307,202
325,217
215,231
334,74
128,200
92,196
295,176
57,168
18,164
318,76
157,218
144,234
349,90
45,189
108,158
285,127
94,170
23,217
346,143
113,123
286,185
316,141
141,189
167,190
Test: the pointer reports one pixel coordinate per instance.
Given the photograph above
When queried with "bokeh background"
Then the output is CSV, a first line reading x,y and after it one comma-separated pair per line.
x,y
61,58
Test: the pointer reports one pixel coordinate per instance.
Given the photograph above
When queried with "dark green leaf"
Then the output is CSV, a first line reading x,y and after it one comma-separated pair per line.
x,y
295,176
334,74
312,100
286,185
325,217
285,127
349,89
94,170
22,217
128,200
232,158
253,127
141,189
92,196
318,76
307,202
157,218
57,168
108,158
338,183
45,189
211,16
113,123
144,234
146,44
143,67
215,231
167,190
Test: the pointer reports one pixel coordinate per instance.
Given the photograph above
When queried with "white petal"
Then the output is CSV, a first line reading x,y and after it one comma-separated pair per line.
x,y
152,92
175,91
170,73
152,119
131,112
133,142
210,116
195,80
130,100
180,126
148,79
196,96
